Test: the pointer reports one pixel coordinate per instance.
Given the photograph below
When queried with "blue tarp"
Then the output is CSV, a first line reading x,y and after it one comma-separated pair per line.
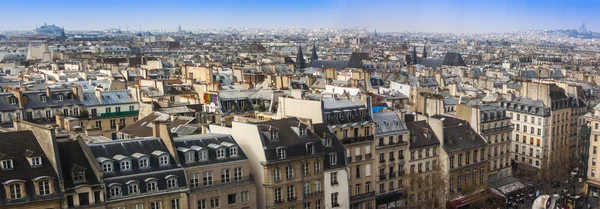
x,y
378,108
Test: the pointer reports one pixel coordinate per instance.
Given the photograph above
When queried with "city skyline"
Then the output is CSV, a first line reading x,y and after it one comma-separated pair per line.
x,y
425,16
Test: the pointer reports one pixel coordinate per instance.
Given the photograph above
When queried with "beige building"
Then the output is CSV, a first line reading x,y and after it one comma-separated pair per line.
x,y
491,122
592,186
423,171
286,157
218,172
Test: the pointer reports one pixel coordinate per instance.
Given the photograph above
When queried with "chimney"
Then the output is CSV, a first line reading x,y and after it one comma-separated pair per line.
x,y
19,96
99,95
78,92
162,131
48,92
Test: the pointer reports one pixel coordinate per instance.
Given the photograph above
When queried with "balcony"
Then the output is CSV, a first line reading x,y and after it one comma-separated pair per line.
x,y
497,129
358,158
312,194
392,174
391,159
357,139
362,196
382,177
349,159
120,114
367,156
291,199
335,182
400,173
218,185
279,201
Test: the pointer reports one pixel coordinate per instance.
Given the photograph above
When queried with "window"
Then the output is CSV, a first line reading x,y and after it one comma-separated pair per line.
x,y
327,142
310,148
117,109
220,153
175,203
333,178
274,135
281,153
78,176
143,163
43,98
233,151
357,171
131,108
107,167
318,204
245,196
94,112
15,191
232,199
108,110
207,178
333,159
125,165
307,205
412,155
36,161
194,180
317,166
467,158
152,185
357,189
44,187
289,172
317,186
277,192
303,131
190,157
133,188
225,175
115,191
334,199
305,169
451,161
113,124
306,189
163,160
172,182
237,174
138,206
156,205
99,124
276,174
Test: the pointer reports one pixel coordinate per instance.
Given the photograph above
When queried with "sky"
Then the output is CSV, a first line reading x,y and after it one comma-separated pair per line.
x,y
458,16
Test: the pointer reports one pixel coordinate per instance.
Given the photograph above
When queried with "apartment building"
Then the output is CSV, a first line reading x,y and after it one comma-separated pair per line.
x,y
492,122
286,157
28,172
423,163
541,119
105,113
335,185
592,185
391,136
40,106
218,172
463,159
141,172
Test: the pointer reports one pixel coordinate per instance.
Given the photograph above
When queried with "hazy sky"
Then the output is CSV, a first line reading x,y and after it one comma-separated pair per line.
x,y
384,15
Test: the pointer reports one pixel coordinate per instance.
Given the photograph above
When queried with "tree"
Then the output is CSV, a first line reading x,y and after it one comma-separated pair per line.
x,y
428,189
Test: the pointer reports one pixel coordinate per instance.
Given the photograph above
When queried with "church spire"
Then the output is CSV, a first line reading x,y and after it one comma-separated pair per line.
x,y
313,55
300,62
414,55
424,55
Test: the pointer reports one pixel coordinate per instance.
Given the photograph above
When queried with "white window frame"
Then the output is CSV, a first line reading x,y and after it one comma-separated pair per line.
x,y
144,162
172,183
152,185
107,167
133,188
163,160
125,165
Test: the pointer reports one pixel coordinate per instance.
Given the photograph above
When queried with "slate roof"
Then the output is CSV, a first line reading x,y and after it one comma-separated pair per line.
x,y
418,138
143,127
133,149
386,124
15,145
431,62
108,98
72,158
459,135
356,59
295,145
336,147
202,142
453,59
324,64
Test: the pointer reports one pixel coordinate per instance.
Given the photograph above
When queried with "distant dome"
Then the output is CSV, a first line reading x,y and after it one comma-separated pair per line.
x,y
49,30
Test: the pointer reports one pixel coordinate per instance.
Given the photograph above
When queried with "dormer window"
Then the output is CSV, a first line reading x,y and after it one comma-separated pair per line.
x,y
163,160
144,162
303,131
233,151
171,182
221,153
281,153
310,148
44,187
6,164
107,167
151,184
133,187
60,97
333,159
12,100
78,176
126,165
327,142
274,135
15,191
203,155
36,161
190,157
115,190
43,98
